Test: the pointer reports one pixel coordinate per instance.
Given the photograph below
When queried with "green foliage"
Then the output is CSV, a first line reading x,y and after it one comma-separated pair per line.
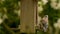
x,y
53,15
8,7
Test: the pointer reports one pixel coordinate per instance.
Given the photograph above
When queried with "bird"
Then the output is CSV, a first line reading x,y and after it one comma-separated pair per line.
x,y
44,23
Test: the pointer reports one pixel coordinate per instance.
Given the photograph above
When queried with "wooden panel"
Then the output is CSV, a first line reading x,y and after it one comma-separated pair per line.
x,y
28,16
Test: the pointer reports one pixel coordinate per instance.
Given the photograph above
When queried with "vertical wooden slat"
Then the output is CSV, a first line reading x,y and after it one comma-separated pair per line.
x,y
28,16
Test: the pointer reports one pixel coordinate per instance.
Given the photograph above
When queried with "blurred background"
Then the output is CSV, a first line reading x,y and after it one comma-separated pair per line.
x,y
52,9
10,16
